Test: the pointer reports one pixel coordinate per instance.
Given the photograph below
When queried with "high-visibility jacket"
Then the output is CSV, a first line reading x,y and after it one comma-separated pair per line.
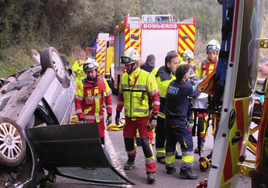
x,y
163,78
137,92
154,71
205,68
77,68
90,97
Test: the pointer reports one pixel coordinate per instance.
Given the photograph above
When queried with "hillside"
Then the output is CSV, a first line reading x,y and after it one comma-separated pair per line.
x,y
72,25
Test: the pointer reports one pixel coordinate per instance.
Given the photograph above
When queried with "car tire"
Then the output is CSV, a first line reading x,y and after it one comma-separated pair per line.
x,y
12,143
50,58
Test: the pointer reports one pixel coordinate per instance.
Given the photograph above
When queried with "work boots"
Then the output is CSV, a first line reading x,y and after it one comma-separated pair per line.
x,y
187,174
171,170
202,139
151,177
130,163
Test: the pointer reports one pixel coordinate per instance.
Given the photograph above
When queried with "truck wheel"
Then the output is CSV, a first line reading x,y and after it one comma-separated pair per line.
x,y
50,58
114,90
12,143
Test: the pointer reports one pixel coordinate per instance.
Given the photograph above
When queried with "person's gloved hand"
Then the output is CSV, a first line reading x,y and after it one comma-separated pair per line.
x,y
117,118
82,120
109,119
152,122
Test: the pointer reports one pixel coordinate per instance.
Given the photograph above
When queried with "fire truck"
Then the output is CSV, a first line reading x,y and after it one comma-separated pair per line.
x,y
151,34
103,53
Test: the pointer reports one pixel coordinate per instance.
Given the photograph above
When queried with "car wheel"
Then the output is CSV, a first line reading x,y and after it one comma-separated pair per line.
x,y
12,143
50,58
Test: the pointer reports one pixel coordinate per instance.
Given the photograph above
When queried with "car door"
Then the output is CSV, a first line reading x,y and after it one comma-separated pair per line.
x,y
75,151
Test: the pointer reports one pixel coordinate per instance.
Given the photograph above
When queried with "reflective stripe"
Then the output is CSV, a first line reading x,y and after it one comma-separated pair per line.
x,y
97,105
162,115
185,144
79,97
160,152
168,154
170,161
187,153
109,92
156,103
93,97
149,161
141,87
131,152
152,93
187,160
79,75
120,102
109,106
78,111
124,86
93,117
140,110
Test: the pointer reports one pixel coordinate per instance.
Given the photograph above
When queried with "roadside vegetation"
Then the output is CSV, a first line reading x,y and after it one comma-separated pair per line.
x,y
72,25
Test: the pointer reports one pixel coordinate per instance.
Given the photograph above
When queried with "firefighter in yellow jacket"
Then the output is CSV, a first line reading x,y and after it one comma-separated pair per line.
x,y
78,70
138,94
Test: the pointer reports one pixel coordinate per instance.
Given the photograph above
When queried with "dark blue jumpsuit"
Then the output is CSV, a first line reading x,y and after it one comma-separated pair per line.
x,y
176,127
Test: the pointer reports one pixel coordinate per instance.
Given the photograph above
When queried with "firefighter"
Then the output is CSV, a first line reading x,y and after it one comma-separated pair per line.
x,y
188,57
149,65
204,69
137,91
176,126
78,70
164,76
91,94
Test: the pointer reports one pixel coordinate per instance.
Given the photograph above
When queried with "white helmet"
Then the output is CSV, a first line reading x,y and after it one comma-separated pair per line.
x,y
130,56
187,54
213,45
90,64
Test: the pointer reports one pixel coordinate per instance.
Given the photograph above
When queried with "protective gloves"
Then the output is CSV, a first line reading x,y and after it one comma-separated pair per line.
x,y
152,122
82,120
117,118
109,119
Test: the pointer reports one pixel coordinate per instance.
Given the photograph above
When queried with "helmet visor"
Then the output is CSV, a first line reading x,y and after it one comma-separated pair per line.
x,y
212,48
126,60
184,56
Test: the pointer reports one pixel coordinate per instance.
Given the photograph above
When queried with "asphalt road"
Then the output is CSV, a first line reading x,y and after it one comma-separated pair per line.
x,y
115,146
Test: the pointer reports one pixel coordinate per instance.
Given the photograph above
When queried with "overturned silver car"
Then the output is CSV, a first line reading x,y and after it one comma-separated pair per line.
x,y
37,140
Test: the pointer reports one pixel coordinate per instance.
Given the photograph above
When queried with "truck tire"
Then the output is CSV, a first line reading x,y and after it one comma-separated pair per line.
x,y
12,142
114,90
50,58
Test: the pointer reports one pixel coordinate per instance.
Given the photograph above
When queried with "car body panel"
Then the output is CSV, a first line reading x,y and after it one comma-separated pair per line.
x,y
77,151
